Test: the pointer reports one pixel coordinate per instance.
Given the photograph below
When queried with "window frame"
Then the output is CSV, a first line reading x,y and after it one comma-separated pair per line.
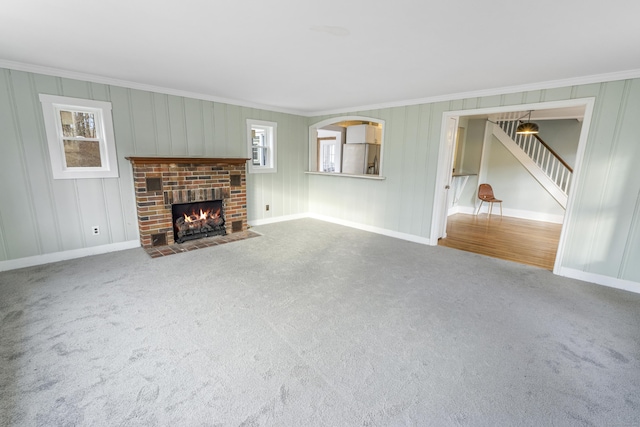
x,y
51,107
271,144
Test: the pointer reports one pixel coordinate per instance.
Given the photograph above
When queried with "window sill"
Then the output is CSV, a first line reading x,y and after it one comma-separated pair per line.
x,y
373,177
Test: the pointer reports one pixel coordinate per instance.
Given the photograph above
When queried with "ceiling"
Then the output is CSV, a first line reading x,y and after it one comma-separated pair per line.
x,y
313,57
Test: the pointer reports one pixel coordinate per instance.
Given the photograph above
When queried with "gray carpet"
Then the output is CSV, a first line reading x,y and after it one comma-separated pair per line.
x,y
313,324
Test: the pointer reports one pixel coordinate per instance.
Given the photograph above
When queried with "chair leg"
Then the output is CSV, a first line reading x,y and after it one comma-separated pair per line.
x,y
479,206
500,208
490,208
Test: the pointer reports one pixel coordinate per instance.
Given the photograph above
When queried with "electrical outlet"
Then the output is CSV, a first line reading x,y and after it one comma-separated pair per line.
x,y
95,230
267,208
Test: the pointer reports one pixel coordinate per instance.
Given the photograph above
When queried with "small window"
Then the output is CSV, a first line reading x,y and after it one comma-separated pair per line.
x,y
80,137
261,139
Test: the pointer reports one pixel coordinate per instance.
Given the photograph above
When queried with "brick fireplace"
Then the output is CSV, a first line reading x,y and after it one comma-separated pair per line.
x,y
161,182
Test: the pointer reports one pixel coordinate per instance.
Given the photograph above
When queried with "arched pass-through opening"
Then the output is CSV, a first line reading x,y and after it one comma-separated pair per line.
x,y
347,146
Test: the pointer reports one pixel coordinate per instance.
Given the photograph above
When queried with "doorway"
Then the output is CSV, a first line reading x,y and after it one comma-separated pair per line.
x,y
444,184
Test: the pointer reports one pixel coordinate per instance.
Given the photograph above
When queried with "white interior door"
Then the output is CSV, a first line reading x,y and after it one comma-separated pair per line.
x,y
446,157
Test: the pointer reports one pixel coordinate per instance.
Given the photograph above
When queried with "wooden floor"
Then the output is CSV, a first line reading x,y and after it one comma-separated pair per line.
x,y
513,239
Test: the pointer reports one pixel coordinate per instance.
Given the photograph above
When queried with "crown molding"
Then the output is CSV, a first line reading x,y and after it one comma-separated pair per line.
x,y
551,84
56,72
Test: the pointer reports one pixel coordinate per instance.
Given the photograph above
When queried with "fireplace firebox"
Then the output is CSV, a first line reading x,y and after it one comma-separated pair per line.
x,y
196,220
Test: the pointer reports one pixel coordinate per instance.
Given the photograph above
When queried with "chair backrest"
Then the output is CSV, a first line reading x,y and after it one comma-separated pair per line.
x,y
485,192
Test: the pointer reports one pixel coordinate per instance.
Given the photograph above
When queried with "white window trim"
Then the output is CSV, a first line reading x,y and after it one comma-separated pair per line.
x,y
272,144
51,105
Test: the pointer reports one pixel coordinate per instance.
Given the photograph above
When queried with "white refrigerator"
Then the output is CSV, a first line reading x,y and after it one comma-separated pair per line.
x,y
360,159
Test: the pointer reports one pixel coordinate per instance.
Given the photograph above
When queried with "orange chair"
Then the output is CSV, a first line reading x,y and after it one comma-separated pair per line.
x,y
485,194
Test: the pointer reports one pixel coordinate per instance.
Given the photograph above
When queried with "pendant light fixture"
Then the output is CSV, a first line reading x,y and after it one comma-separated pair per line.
x,y
527,128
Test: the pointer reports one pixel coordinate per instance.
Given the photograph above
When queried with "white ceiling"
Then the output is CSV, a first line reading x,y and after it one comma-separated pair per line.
x,y
311,57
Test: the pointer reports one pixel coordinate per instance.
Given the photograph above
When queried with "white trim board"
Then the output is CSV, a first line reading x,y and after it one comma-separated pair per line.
x,y
386,232
273,220
350,224
595,78
598,279
14,264
513,213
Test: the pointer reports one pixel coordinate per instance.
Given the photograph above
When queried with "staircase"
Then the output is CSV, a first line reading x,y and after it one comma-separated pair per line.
x,y
537,157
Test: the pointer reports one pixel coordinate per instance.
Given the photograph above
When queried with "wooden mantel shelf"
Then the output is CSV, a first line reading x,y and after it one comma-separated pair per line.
x,y
186,160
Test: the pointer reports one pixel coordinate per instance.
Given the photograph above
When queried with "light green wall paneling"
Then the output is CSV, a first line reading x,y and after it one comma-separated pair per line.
x,y
603,233
513,99
145,124
591,191
490,101
161,130
557,94
621,179
20,234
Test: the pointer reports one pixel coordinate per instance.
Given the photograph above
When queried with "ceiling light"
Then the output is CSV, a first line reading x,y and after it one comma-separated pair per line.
x,y
527,128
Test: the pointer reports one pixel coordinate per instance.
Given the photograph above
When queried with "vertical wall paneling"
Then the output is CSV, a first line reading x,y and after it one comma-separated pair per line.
x,y
420,160
143,121
490,101
470,103
220,128
533,96
456,104
630,268
194,126
513,99
177,128
29,114
4,253
558,94
408,171
617,204
583,245
20,235
601,237
161,127
125,146
208,124
90,197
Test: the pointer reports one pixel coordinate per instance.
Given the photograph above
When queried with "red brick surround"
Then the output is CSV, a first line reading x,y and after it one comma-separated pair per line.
x,y
162,181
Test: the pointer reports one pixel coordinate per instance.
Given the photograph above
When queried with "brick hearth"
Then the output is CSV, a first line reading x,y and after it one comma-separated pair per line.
x,y
162,181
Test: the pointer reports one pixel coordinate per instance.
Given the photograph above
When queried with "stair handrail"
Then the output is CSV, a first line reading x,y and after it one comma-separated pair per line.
x,y
556,155
551,164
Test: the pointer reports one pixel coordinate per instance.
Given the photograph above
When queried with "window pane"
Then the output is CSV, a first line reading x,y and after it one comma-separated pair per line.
x,y
259,156
82,154
77,123
259,136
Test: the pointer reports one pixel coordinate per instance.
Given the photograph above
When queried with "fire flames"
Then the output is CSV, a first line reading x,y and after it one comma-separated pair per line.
x,y
203,216
195,217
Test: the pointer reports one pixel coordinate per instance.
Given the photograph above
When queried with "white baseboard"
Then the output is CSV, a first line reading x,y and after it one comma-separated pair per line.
x,y
514,213
599,279
14,264
372,229
273,220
